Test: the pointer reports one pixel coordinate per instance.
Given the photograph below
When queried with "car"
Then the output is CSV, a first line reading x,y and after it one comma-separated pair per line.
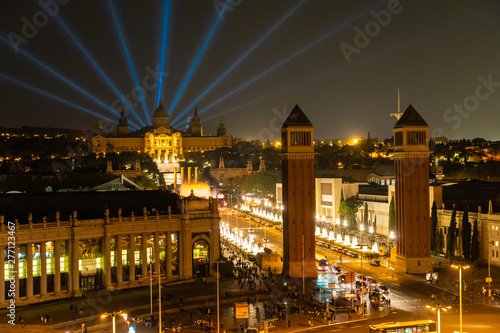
x,y
361,277
250,230
247,218
383,289
341,278
336,270
265,240
375,262
360,284
373,283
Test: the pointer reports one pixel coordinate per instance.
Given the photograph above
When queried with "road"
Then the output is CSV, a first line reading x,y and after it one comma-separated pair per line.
x,y
409,294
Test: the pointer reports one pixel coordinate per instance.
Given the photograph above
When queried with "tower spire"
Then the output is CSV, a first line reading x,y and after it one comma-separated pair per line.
x,y
399,113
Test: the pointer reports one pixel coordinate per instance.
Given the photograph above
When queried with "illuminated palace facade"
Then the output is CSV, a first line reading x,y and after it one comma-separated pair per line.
x,y
107,240
162,142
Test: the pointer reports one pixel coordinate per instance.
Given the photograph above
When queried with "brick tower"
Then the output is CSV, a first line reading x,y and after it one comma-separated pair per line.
x,y
298,195
411,167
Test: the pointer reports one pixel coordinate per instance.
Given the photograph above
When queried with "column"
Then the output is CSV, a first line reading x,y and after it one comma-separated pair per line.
x,y
17,272
157,252
195,174
144,255
168,254
118,257
43,276
75,269
182,175
185,270
107,261
57,266
189,175
29,270
2,274
175,179
131,257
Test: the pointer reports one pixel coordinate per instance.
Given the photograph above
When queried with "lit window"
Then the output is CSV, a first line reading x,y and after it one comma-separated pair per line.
x,y
50,267
112,257
137,257
80,265
98,262
496,243
149,255
62,263
124,257
22,273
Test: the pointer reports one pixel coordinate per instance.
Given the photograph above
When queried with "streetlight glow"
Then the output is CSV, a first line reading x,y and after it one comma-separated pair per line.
x,y
460,267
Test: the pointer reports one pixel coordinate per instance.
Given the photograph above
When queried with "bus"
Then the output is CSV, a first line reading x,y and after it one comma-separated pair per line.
x,y
417,326
323,264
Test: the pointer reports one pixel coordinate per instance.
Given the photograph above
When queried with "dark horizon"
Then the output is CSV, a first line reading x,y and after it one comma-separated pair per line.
x,y
341,62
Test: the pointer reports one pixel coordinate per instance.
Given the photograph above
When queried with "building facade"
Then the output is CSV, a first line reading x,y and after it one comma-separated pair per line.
x,y
161,141
62,254
411,169
299,252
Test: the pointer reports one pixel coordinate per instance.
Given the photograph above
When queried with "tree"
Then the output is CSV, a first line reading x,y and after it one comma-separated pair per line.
x,y
365,216
349,208
466,234
342,217
434,226
474,251
452,230
392,216
439,241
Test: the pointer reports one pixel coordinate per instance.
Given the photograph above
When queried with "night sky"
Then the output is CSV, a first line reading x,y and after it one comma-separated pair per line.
x,y
440,54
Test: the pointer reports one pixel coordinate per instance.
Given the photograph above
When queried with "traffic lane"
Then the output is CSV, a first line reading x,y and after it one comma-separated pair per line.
x,y
398,284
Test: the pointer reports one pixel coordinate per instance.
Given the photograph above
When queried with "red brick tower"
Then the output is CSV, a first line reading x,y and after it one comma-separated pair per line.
x,y
411,167
298,196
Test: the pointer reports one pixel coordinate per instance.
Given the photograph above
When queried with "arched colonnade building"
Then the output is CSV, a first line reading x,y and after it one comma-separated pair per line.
x,y
79,242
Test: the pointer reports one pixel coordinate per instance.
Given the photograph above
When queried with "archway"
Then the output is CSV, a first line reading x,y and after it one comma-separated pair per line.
x,y
201,258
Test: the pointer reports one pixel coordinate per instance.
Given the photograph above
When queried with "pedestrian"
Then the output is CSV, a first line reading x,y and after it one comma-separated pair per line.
x,y
289,323
71,308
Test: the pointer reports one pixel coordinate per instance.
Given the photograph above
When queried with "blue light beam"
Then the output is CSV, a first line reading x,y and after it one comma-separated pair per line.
x,y
163,51
94,63
198,57
332,32
247,52
47,94
127,55
62,78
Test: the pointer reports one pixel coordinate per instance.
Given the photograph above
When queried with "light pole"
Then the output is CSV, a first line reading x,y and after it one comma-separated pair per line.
x,y
460,267
218,323
113,315
362,227
391,239
438,307
488,279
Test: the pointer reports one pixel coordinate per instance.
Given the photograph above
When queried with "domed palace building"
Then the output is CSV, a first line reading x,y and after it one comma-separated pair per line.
x,y
161,141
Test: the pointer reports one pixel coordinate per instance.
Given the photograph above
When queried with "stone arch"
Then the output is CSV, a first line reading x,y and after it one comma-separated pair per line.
x,y
200,249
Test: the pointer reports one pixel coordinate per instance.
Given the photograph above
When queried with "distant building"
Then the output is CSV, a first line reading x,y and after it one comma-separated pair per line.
x,y
70,243
161,141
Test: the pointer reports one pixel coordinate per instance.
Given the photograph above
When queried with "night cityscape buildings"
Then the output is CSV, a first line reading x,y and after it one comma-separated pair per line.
x,y
125,219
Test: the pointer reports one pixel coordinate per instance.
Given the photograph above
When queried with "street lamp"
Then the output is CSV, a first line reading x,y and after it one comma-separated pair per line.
x,y
112,315
361,228
218,324
438,307
488,279
460,267
391,239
